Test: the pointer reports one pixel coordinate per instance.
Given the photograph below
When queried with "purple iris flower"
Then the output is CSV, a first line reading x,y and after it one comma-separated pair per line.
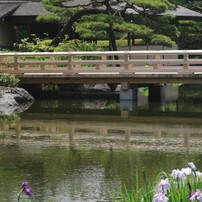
x,y
191,165
196,196
176,173
160,197
164,186
26,189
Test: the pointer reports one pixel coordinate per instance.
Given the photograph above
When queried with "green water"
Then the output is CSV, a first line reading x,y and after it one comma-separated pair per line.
x,y
87,150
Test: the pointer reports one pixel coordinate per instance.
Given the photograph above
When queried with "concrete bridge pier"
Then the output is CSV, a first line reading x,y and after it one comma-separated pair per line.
x,y
157,97
128,97
33,89
157,93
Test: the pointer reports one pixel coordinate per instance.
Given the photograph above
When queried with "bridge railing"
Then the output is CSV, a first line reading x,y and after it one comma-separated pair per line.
x,y
87,62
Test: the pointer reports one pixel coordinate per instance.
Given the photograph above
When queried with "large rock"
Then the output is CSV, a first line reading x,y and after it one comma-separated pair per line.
x,y
96,87
14,100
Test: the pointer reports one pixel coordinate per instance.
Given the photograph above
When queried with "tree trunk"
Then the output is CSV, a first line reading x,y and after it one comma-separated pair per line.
x,y
112,39
86,11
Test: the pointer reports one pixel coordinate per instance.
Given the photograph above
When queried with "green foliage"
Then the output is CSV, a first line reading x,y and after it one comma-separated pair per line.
x,y
92,30
112,106
159,25
159,39
7,121
88,46
58,13
120,42
76,45
144,91
50,87
154,6
67,46
93,26
193,4
4,50
139,31
53,18
96,27
43,45
8,80
35,45
53,104
191,37
179,2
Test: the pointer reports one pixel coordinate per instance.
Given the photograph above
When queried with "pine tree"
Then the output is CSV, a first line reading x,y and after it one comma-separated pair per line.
x,y
93,19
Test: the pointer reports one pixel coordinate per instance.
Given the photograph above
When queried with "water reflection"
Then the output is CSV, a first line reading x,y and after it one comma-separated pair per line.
x,y
15,109
85,150
109,131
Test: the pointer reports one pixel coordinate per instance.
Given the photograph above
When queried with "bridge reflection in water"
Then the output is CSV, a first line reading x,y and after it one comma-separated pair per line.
x,y
150,133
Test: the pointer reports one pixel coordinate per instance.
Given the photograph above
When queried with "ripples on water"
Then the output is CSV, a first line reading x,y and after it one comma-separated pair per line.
x,y
85,150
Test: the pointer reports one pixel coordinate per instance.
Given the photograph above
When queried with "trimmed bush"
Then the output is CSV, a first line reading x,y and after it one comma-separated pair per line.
x,y
8,80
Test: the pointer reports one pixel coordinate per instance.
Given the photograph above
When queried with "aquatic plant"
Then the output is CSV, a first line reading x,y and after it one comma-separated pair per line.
x,y
26,190
181,185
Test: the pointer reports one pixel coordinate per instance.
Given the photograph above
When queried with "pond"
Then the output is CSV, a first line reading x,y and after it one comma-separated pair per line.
x,y
87,150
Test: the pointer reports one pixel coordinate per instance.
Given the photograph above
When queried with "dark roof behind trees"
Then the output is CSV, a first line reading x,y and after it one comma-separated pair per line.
x,y
30,9
184,12
8,8
34,8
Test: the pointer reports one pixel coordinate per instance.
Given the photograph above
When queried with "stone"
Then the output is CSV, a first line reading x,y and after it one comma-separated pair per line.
x,y
96,88
14,100
102,87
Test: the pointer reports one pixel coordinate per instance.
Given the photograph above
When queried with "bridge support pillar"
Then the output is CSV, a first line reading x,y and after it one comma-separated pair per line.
x,y
128,97
127,93
157,93
33,89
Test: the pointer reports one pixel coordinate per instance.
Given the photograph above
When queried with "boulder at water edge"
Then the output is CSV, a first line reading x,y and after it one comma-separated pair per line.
x,y
13,100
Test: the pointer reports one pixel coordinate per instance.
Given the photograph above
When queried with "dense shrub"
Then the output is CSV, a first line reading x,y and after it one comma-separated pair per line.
x,y
35,45
43,45
8,80
120,42
159,39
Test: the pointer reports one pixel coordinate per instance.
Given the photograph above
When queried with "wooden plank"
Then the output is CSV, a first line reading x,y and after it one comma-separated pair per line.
x,y
126,61
157,58
15,65
120,62
186,59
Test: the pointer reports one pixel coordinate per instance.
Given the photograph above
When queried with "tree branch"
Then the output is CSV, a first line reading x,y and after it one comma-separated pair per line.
x,y
72,20
195,6
81,5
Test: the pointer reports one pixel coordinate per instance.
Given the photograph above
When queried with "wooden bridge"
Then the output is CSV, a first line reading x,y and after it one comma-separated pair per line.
x,y
134,67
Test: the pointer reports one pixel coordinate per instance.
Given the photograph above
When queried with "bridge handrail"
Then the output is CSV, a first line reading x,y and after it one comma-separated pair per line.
x,y
90,53
163,60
